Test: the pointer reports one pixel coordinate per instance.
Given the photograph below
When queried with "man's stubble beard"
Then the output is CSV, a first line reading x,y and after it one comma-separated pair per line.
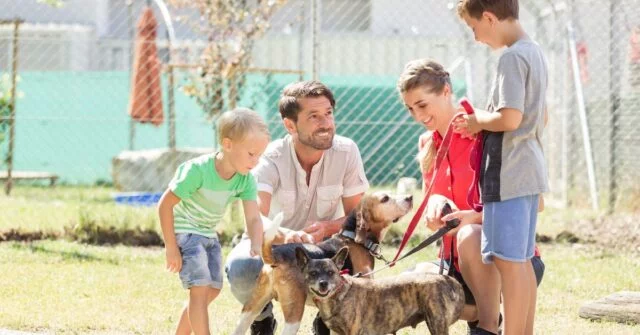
x,y
318,144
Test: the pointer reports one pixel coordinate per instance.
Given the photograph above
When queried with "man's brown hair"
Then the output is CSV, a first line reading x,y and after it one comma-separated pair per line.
x,y
502,9
290,107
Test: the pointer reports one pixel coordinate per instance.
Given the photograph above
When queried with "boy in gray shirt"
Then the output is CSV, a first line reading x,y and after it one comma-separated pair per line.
x,y
513,172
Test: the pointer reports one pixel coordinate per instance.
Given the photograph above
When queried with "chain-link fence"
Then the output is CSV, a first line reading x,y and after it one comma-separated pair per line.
x,y
76,67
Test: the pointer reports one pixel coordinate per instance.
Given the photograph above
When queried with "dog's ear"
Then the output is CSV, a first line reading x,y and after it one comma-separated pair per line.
x,y
301,258
341,257
362,225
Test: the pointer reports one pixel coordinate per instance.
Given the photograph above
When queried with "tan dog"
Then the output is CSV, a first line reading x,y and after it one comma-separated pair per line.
x,y
363,306
281,278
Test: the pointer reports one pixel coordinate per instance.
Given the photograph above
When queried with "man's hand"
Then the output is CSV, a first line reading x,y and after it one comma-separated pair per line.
x,y
174,259
298,237
317,230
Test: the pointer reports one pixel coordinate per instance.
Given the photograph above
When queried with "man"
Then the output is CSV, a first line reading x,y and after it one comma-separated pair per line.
x,y
312,175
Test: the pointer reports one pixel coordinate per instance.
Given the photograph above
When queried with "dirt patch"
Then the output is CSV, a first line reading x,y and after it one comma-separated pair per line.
x,y
98,235
26,236
568,237
91,233
541,238
618,231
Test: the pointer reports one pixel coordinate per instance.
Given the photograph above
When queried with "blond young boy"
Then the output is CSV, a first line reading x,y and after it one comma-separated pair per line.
x,y
513,171
194,204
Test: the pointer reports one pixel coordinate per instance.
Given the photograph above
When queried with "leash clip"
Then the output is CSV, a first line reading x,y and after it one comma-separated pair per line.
x,y
376,251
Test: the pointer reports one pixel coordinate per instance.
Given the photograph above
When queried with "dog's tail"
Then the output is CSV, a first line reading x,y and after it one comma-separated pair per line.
x,y
271,232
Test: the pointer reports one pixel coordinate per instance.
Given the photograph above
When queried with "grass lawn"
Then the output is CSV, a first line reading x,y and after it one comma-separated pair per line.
x,y
51,209
69,288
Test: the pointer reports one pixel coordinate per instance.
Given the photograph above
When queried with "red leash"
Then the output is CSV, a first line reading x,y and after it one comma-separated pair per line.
x,y
476,157
475,160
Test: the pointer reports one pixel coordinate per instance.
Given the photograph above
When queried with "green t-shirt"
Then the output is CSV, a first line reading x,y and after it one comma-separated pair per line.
x,y
204,195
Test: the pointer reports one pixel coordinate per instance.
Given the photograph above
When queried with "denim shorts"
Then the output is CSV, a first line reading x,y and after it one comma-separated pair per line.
x,y
201,261
509,229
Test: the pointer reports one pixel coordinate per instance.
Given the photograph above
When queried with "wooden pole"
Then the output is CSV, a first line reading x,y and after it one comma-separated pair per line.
x,y
12,117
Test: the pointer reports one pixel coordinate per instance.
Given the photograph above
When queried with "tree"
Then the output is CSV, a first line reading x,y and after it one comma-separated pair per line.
x,y
231,28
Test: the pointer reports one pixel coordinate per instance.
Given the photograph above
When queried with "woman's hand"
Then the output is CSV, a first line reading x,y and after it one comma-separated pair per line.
x,y
434,211
466,217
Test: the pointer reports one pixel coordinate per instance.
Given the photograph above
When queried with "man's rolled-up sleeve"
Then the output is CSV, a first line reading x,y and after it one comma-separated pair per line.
x,y
266,175
355,180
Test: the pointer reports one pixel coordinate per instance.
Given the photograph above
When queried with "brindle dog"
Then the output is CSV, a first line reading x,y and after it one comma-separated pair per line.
x,y
362,306
281,278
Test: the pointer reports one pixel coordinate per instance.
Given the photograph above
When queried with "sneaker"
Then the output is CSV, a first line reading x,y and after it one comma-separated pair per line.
x,y
267,326
471,325
480,331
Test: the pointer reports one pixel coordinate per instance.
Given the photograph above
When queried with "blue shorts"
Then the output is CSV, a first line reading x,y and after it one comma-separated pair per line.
x,y
509,229
201,261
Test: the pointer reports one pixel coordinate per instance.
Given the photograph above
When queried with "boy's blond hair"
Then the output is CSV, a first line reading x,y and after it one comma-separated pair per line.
x,y
236,124
432,77
502,9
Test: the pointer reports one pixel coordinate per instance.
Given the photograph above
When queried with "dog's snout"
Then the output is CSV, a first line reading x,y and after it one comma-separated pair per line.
x,y
323,284
409,198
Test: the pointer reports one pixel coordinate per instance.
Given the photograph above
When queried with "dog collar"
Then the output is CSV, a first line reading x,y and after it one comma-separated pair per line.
x,y
373,247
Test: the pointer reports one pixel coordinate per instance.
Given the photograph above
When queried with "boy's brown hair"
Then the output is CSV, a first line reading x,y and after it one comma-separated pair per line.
x,y
289,105
502,9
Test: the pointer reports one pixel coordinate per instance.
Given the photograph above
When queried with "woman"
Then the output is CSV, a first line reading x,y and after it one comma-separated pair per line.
x,y
425,88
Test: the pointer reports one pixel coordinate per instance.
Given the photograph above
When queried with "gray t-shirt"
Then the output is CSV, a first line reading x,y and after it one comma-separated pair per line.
x,y
513,163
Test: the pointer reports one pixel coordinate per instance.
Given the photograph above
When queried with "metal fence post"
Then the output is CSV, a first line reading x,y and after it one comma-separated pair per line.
x,y
12,116
314,39
614,96
582,109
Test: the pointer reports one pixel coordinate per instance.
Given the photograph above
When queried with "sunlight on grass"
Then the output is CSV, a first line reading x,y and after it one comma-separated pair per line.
x,y
69,288
66,287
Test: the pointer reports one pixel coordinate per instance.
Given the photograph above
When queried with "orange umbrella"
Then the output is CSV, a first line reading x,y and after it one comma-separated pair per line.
x,y
145,103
